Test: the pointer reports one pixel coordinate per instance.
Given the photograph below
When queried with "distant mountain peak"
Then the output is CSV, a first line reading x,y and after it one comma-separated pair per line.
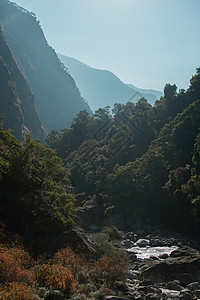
x,y
74,61
101,87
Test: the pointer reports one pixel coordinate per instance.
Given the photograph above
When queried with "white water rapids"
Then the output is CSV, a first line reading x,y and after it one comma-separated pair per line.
x,y
148,251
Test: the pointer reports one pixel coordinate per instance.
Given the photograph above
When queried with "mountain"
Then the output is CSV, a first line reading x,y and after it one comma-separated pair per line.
x,y
57,98
16,100
151,95
102,87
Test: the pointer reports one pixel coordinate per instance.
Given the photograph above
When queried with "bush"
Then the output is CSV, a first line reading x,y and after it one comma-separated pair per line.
x,y
69,259
55,276
14,264
22,278
111,267
17,291
101,242
113,232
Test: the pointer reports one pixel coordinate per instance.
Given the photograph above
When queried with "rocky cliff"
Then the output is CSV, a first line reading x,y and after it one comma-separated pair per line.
x,y
57,98
16,99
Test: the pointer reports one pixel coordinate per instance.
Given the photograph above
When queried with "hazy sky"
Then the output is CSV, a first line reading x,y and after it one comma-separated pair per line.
x,y
145,42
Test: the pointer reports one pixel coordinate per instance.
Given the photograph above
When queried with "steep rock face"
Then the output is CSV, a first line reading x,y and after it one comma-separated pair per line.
x,y
16,99
10,105
57,98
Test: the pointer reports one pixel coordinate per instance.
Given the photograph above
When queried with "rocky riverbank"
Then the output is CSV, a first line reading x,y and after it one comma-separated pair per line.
x,y
171,272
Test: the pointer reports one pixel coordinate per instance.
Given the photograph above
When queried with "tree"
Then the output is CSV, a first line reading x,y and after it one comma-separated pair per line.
x,y
102,113
169,91
35,198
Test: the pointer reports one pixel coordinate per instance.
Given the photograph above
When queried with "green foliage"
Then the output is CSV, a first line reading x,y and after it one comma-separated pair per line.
x,y
146,177
34,188
140,158
10,150
105,240
102,242
142,162
113,232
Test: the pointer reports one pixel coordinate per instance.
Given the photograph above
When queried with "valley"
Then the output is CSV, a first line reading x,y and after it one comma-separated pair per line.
x,y
99,180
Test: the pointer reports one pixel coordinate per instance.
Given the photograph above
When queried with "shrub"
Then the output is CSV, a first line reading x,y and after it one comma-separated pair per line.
x,y
21,256
13,265
16,291
55,276
83,276
111,267
104,240
113,233
68,258
102,243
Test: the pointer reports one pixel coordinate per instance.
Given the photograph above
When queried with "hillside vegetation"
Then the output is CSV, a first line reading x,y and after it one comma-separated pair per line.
x,y
140,161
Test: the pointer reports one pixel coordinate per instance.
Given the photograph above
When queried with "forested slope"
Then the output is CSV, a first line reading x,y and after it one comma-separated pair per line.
x,y
141,159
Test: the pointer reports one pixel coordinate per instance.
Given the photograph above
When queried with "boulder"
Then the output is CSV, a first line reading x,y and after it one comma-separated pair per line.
x,y
151,296
156,242
153,257
174,285
127,243
164,256
141,243
147,282
185,279
78,241
169,294
131,236
185,296
184,251
132,275
54,295
90,216
197,294
173,267
132,256
193,286
75,239
114,298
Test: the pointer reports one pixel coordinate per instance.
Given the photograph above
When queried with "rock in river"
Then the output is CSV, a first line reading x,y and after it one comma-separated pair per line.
x,y
183,260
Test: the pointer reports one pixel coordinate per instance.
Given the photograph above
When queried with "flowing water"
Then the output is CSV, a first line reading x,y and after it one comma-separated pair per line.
x,y
148,251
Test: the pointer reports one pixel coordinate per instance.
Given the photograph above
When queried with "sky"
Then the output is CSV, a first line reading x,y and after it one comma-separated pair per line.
x,y
147,43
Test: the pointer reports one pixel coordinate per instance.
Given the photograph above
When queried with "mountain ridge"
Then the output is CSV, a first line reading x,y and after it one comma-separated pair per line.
x,y
17,101
102,87
57,99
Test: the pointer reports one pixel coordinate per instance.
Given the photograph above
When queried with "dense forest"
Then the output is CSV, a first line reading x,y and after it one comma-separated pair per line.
x,y
137,161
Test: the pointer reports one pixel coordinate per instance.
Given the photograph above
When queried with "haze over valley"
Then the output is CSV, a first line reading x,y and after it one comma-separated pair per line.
x,y
103,88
